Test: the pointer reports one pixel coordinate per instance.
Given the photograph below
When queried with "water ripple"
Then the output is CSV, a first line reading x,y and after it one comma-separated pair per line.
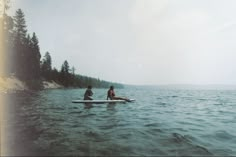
x,y
165,122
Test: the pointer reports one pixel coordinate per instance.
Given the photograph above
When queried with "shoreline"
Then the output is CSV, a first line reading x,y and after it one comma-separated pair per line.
x,y
9,84
51,85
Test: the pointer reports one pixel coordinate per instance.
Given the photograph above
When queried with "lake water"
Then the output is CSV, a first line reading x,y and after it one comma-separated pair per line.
x,y
162,121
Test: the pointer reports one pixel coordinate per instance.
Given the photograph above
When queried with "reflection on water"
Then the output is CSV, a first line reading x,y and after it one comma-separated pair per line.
x,y
159,122
88,105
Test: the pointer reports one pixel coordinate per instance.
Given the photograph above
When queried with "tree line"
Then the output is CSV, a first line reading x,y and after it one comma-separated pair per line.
x,y
23,58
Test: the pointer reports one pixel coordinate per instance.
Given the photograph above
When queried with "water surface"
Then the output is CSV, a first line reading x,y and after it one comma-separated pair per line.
x,y
162,121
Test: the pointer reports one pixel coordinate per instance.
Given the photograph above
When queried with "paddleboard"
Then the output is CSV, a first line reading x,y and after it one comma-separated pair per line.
x,y
101,101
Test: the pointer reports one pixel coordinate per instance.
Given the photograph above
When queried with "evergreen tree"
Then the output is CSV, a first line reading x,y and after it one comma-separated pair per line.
x,y
55,75
20,26
35,56
21,52
46,67
73,78
73,70
34,42
65,74
66,67
20,48
28,40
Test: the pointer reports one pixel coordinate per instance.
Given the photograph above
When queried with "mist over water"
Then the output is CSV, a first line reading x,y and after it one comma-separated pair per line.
x,y
162,121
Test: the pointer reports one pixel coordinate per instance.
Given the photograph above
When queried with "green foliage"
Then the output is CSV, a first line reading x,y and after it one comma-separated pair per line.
x,y
83,81
20,26
24,51
34,84
65,76
46,67
34,57
65,68
34,43
55,75
21,51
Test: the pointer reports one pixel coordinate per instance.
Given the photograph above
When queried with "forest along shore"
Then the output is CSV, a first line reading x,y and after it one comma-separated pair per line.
x,y
14,84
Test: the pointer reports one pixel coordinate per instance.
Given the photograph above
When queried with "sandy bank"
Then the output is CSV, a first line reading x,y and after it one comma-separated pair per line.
x,y
14,84
11,83
51,85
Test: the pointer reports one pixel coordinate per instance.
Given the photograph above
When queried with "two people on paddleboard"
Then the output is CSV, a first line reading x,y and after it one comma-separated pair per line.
x,y
110,94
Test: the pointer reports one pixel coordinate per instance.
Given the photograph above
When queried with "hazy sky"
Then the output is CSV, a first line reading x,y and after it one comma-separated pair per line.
x,y
139,41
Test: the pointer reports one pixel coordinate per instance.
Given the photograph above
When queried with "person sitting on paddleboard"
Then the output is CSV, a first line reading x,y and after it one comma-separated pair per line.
x,y
111,95
88,93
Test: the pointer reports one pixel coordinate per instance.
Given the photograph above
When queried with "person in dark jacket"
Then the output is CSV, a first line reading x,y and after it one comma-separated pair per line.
x,y
88,93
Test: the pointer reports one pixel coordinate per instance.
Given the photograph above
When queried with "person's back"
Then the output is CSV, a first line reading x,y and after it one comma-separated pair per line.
x,y
88,93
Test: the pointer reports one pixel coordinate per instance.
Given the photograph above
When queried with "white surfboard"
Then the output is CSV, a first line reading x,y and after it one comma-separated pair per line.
x,y
101,101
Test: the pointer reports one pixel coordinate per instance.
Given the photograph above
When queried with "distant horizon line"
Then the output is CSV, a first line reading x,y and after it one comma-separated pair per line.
x,y
179,84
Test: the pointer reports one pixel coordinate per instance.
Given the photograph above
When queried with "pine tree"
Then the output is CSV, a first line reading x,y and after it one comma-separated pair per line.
x,y
20,45
55,75
20,26
66,67
65,74
46,67
35,56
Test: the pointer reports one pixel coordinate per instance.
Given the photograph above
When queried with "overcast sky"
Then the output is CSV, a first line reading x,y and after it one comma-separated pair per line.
x,y
138,41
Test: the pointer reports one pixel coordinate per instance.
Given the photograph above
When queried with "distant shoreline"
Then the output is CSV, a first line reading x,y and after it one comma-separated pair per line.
x,y
190,86
9,84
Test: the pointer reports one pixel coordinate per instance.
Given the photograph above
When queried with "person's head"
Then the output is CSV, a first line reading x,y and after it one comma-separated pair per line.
x,y
111,87
89,87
